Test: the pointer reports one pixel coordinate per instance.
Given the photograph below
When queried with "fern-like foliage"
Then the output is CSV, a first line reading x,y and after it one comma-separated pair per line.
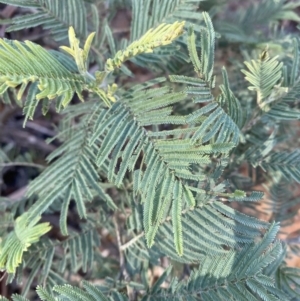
x,y
68,292
162,147
283,205
236,276
25,63
264,75
25,233
167,161
53,78
155,12
284,107
230,103
287,163
224,226
163,35
52,16
287,280
72,176
167,165
56,16
49,259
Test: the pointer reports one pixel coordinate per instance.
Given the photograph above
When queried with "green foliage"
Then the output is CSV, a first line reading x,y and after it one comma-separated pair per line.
x,y
25,63
76,252
159,11
26,232
164,170
237,275
79,181
264,74
163,35
56,16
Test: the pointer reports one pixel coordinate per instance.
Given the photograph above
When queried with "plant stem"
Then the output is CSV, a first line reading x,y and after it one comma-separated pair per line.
x,y
131,242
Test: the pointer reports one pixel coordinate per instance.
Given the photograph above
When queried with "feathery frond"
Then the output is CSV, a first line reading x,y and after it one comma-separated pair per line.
x,y
168,164
49,259
237,275
203,66
67,292
165,149
287,163
163,35
283,205
25,63
72,176
167,160
90,292
264,73
56,16
231,103
155,12
159,11
25,233
288,280
224,226
285,109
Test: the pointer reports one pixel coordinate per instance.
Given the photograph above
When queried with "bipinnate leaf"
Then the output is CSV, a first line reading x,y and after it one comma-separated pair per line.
x,y
163,35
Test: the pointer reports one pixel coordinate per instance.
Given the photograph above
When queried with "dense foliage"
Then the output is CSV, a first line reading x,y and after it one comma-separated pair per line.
x,y
171,168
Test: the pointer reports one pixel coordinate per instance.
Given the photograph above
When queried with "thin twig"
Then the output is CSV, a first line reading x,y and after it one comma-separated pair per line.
x,y
123,271
121,30
131,242
252,121
121,254
2,277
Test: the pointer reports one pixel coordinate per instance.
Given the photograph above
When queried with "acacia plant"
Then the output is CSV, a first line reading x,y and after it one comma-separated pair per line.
x,y
170,166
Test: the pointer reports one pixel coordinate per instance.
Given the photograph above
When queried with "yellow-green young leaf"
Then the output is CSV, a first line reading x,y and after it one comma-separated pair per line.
x,y
26,232
21,90
26,63
87,46
111,90
80,55
103,96
164,34
100,76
